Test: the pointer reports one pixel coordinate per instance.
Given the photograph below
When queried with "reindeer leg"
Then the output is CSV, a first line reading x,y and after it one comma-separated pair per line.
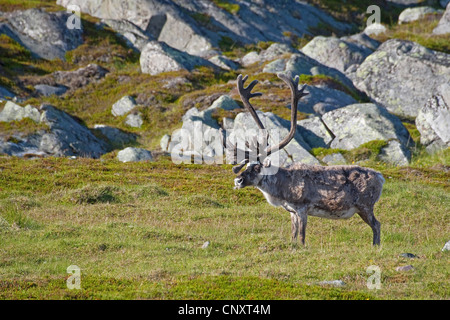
x,y
294,226
294,222
369,218
302,220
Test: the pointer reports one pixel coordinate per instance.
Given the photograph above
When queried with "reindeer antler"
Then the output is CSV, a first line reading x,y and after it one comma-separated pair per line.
x,y
246,95
296,95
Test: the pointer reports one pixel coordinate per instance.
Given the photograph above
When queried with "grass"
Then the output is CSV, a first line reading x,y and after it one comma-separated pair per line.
x,y
11,5
227,5
368,151
136,231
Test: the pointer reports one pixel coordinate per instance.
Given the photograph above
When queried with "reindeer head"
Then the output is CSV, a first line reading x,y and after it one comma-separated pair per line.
x,y
255,170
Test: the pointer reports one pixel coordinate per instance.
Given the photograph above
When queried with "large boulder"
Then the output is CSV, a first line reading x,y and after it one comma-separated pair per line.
x,y
314,132
67,136
135,37
223,62
357,124
274,51
400,75
44,33
14,112
336,53
245,129
157,57
374,29
443,26
115,136
417,13
200,134
433,120
299,63
362,39
47,90
395,153
5,94
157,19
322,99
197,26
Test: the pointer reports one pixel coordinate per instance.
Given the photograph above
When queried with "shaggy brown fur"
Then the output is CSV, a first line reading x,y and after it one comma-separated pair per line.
x,y
334,192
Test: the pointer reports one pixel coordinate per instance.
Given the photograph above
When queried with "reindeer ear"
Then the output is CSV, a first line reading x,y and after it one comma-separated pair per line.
x,y
238,168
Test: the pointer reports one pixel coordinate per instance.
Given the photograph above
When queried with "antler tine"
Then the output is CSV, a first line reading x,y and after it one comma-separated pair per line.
x,y
246,95
296,94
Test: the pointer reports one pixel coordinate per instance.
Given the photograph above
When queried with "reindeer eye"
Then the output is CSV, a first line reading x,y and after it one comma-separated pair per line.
x,y
257,168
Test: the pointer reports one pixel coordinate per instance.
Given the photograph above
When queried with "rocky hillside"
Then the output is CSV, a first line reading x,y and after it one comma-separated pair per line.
x,y
136,80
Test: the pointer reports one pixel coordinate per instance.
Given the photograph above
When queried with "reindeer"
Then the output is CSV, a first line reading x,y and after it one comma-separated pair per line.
x,y
333,192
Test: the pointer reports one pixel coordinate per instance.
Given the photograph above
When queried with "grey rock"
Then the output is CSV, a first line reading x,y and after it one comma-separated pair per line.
x,y
223,62
443,26
245,129
335,53
416,13
314,132
164,143
176,22
334,159
433,120
157,57
322,99
224,102
24,148
250,58
275,66
400,75
175,83
375,29
200,132
5,94
47,90
446,246
227,123
14,112
362,39
45,34
299,63
162,20
134,36
274,51
205,245
357,124
67,136
333,283
81,77
115,136
134,120
404,268
134,155
408,255
395,153
123,106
